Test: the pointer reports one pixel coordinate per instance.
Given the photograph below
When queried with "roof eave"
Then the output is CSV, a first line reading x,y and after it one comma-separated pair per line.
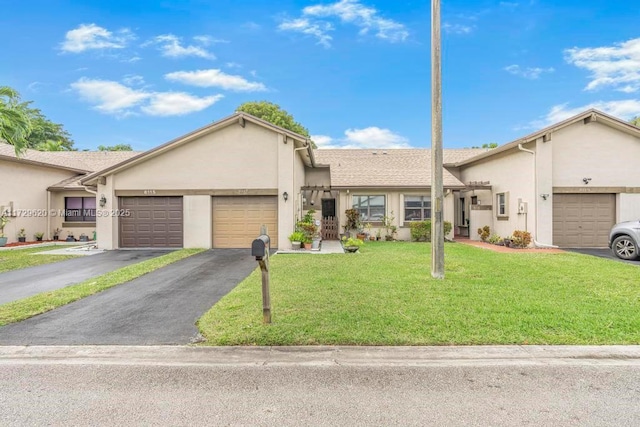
x,y
43,164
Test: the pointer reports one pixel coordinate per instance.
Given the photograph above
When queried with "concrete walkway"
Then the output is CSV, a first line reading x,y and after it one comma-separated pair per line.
x,y
18,284
327,247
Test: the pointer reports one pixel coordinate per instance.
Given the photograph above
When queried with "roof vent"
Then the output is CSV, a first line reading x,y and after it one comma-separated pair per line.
x,y
374,153
384,152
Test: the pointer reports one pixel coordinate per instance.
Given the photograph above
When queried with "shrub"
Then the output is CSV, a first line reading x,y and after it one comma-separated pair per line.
x,y
521,239
352,242
296,236
495,239
421,230
484,233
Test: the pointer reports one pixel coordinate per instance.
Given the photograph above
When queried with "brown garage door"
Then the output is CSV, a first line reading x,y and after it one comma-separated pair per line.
x,y
237,220
153,222
583,220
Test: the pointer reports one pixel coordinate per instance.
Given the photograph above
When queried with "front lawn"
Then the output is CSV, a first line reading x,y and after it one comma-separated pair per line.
x,y
385,296
16,259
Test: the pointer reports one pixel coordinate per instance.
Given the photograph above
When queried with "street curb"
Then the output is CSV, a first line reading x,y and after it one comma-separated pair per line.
x,y
323,356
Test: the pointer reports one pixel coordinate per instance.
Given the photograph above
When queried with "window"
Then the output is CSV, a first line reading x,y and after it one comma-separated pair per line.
x,y
502,204
371,208
417,208
80,209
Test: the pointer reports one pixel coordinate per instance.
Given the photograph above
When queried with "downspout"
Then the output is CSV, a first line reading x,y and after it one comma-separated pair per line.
x,y
49,216
293,171
535,197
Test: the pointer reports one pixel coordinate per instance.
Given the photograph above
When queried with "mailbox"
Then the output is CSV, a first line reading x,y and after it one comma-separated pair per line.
x,y
260,247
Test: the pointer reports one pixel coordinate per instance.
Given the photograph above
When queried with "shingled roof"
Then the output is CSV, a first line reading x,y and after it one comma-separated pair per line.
x,y
388,168
78,161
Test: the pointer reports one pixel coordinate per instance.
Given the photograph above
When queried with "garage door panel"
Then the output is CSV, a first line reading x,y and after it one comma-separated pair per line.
x,y
237,220
582,220
153,222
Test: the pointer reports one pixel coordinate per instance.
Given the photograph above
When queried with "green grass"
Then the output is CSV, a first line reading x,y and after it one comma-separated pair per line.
x,y
41,303
386,296
16,259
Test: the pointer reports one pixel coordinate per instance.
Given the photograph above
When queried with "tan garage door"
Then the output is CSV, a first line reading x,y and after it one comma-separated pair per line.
x,y
153,222
237,220
583,220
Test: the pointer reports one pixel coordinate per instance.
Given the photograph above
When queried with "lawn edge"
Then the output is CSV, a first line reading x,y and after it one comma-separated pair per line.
x,y
26,308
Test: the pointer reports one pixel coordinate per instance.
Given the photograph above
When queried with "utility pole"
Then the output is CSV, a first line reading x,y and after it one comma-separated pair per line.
x,y
437,188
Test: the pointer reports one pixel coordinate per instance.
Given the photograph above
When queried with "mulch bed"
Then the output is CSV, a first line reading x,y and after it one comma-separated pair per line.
x,y
35,242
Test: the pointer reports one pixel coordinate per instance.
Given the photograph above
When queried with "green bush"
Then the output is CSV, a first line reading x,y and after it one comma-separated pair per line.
x,y
421,230
495,239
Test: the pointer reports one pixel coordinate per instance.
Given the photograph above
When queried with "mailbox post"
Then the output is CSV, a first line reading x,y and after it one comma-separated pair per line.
x,y
260,250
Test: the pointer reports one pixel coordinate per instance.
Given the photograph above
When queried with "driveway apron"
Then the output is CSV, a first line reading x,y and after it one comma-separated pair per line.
x,y
158,308
18,284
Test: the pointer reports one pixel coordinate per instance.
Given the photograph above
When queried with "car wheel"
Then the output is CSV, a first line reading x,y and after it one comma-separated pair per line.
x,y
625,248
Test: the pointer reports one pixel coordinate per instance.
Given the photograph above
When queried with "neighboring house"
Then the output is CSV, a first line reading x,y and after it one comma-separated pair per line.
x,y
39,188
566,184
216,186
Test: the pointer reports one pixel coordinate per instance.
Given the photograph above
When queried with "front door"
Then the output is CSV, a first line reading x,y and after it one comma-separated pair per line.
x,y
329,220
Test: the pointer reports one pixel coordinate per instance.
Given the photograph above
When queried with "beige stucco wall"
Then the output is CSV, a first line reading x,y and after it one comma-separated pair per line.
x,y
198,223
628,207
510,172
597,151
107,224
26,186
229,158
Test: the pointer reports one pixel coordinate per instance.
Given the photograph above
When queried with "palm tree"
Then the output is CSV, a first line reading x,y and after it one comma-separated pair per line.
x,y
51,145
15,125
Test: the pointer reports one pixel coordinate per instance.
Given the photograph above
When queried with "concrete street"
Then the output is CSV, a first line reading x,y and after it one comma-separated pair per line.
x,y
541,386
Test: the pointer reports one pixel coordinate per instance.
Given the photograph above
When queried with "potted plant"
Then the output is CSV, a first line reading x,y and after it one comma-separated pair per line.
x,y
56,234
70,237
368,234
308,228
352,245
4,220
39,235
387,223
296,239
378,235
22,236
83,237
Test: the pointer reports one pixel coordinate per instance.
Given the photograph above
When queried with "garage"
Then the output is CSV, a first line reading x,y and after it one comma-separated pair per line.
x,y
151,222
237,220
583,220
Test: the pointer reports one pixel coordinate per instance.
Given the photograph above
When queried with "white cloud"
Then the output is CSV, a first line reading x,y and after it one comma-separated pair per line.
x,y
177,103
215,78
304,26
623,109
367,19
208,40
94,37
457,28
133,80
616,66
232,65
532,73
114,98
171,46
371,137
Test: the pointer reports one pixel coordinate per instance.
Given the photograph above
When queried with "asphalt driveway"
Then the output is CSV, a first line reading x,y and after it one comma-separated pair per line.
x,y
601,253
18,284
158,308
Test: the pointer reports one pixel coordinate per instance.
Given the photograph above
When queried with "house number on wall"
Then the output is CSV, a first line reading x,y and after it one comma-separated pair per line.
x,y
147,192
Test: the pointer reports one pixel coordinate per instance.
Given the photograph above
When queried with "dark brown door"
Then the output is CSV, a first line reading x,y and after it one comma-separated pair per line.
x,y
152,222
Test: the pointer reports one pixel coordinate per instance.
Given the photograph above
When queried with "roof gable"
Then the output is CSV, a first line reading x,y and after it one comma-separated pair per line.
x,y
589,115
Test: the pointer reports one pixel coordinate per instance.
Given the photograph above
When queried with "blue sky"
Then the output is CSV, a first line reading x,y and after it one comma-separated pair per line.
x,y
355,72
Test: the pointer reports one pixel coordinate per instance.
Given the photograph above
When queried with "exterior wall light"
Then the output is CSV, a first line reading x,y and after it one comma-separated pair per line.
x,y
285,196
103,201
544,196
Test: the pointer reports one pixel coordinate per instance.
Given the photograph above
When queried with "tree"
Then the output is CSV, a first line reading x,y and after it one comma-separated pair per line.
x,y
490,145
273,114
635,121
118,147
15,124
25,127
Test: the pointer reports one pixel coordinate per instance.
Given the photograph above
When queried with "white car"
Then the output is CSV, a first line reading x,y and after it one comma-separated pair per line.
x,y
624,240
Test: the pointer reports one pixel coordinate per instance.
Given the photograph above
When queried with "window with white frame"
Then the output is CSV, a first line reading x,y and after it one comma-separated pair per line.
x,y
371,208
417,208
502,205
